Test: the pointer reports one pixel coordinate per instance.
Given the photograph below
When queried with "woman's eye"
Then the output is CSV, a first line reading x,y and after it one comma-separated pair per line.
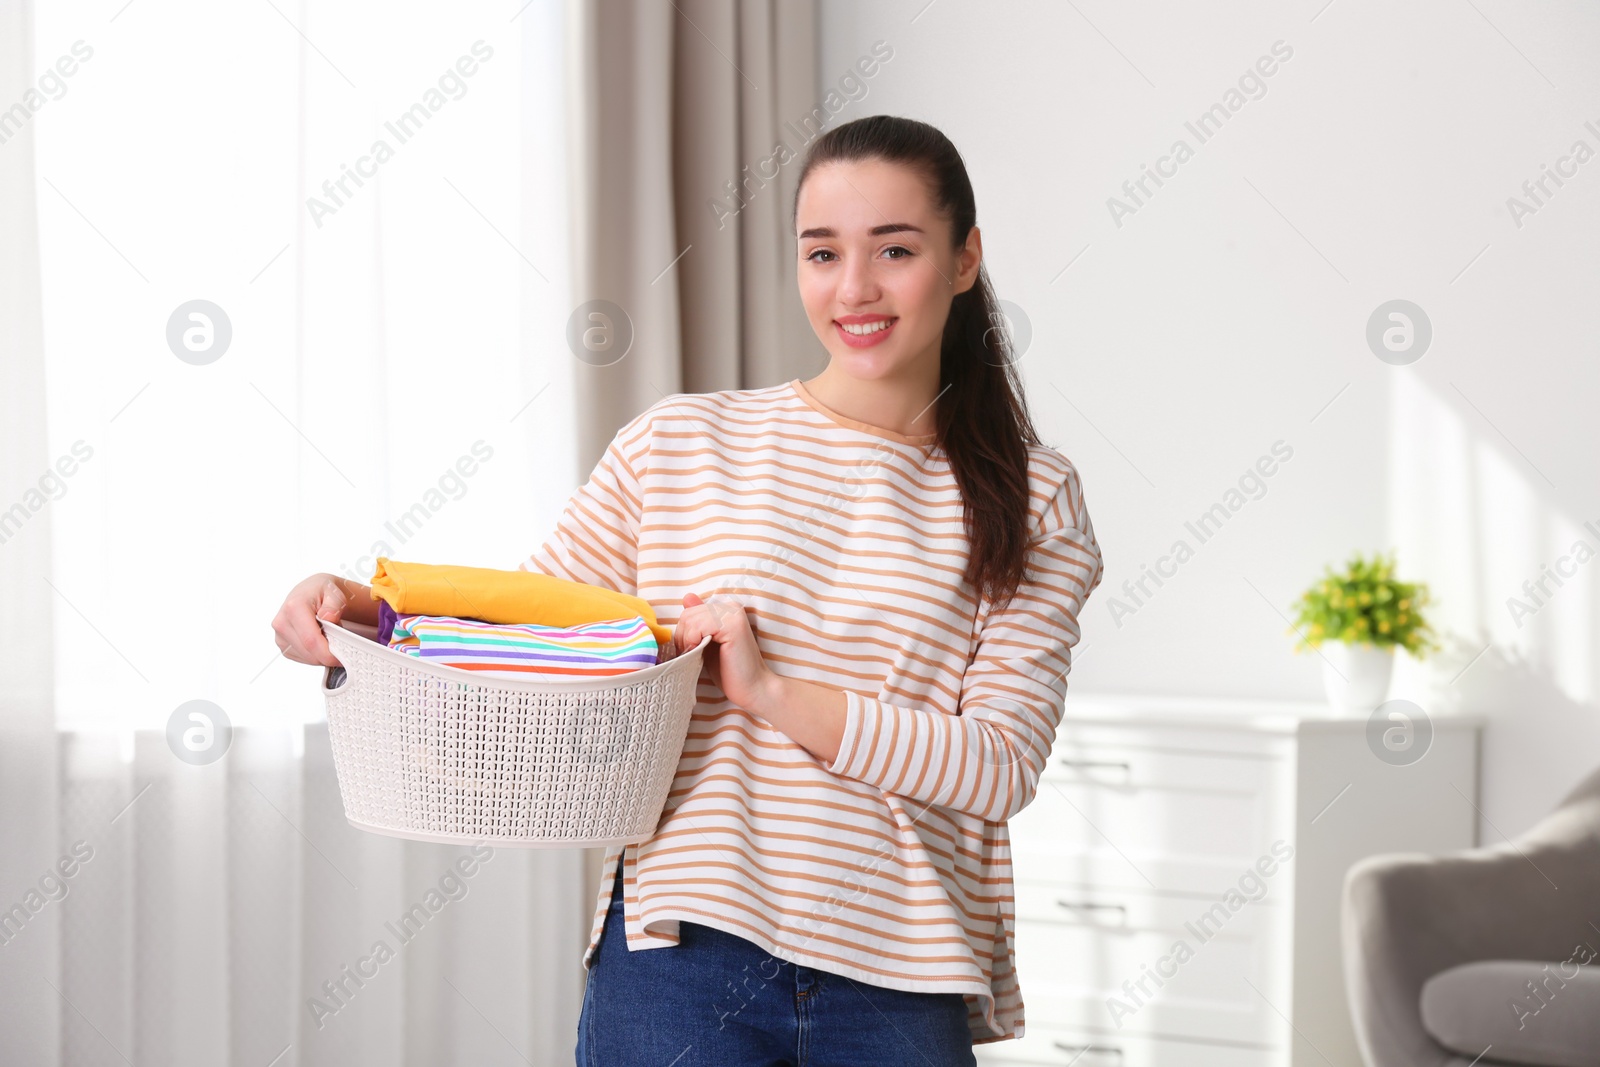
x,y
812,258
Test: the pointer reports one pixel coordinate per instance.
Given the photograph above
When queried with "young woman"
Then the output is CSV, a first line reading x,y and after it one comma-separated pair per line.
x,y
891,567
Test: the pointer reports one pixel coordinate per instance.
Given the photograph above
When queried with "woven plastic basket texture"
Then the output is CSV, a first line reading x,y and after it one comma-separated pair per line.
x,y
436,753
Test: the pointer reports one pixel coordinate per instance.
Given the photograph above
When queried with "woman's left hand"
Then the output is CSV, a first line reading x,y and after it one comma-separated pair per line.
x,y
733,658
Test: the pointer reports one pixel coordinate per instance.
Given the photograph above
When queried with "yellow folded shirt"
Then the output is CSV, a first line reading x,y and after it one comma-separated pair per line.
x,y
497,596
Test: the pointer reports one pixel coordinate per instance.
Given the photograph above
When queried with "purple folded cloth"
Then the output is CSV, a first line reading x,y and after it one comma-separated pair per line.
x,y
386,621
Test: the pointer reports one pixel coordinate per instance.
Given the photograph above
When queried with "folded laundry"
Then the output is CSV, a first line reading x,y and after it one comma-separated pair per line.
x,y
496,596
594,650
386,621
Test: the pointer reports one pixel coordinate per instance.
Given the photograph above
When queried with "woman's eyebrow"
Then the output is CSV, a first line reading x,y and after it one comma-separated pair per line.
x,y
876,231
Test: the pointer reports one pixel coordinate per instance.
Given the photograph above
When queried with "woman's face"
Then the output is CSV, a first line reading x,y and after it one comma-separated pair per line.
x,y
873,252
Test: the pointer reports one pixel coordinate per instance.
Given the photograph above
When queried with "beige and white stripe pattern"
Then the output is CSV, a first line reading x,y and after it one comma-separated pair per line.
x,y
892,864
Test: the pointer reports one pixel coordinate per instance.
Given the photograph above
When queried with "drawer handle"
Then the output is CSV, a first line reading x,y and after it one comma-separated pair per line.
x,y
1097,764
1089,905
1083,1050
1092,763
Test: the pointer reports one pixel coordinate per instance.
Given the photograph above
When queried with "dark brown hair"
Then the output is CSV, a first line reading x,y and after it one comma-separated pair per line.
x,y
982,420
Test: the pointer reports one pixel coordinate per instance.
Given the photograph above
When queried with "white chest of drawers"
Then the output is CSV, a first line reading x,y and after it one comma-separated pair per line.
x,y
1178,877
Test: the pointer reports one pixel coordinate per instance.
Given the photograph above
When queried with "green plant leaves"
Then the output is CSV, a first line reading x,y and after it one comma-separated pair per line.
x,y
1365,604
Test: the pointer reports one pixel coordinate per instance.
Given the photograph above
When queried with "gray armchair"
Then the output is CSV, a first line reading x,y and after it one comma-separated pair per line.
x,y
1490,955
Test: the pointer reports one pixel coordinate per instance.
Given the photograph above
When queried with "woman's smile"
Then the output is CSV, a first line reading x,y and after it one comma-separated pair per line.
x,y
864,331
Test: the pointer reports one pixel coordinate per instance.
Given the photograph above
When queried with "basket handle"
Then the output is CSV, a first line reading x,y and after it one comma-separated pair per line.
x,y
333,678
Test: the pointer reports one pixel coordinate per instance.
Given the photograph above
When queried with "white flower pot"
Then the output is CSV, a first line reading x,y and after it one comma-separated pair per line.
x,y
1356,676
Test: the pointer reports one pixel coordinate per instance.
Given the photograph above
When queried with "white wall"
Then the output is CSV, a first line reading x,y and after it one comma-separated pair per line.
x,y
1230,309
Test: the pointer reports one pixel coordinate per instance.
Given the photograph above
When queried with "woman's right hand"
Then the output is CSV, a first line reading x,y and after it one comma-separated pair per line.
x,y
295,625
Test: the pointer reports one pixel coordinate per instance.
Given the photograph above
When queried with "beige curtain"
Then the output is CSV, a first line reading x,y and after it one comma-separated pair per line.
x,y
671,102
680,196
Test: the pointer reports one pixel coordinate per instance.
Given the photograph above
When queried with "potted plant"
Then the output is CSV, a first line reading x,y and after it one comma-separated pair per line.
x,y
1356,619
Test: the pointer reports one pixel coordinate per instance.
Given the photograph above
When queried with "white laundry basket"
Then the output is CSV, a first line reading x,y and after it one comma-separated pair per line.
x,y
435,753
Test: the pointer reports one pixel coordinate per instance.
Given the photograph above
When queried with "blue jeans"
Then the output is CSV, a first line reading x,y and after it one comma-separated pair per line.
x,y
717,1000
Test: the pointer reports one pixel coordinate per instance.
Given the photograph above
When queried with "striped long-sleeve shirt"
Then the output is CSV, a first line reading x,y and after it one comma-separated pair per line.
x,y
890,864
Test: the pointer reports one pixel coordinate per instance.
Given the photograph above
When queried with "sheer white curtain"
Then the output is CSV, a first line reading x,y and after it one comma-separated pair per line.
x,y
374,199
27,712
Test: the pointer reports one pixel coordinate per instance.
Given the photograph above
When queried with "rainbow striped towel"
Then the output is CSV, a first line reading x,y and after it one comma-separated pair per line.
x,y
593,650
